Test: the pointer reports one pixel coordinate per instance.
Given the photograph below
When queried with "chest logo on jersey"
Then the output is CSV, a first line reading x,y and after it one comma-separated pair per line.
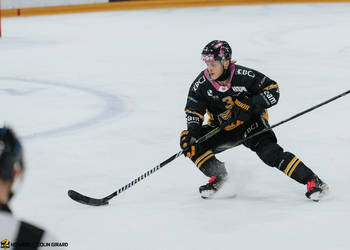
x,y
245,72
239,89
198,82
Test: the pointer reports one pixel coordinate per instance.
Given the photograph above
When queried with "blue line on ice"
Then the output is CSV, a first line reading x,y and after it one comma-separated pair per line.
x,y
114,106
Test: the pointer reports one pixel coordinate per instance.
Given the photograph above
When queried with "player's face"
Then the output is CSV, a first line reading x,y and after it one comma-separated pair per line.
x,y
215,69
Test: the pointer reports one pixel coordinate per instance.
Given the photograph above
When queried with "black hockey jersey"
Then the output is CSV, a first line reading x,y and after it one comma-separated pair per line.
x,y
207,96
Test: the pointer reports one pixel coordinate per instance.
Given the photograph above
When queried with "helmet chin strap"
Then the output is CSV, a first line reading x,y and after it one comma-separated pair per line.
x,y
222,61
226,73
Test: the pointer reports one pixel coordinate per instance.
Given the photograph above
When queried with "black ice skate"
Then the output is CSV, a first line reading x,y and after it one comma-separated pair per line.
x,y
316,189
208,190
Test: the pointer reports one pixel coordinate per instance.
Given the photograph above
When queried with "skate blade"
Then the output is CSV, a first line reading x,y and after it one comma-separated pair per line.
x,y
232,196
217,196
207,194
317,196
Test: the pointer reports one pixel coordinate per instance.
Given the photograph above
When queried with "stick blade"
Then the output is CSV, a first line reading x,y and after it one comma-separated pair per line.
x,y
85,199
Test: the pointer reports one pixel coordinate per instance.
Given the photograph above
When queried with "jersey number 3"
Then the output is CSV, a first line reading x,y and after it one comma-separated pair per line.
x,y
229,102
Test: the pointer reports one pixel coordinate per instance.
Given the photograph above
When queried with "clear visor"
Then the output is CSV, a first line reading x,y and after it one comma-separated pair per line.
x,y
208,57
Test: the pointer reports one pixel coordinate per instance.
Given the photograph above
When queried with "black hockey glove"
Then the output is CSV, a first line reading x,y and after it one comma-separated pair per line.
x,y
242,110
187,144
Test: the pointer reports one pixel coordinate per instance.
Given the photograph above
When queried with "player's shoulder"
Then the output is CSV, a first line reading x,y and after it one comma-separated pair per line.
x,y
36,235
244,71
31,229
200,82
19,230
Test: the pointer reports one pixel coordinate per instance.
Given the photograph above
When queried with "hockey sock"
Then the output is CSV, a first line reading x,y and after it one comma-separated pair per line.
x,y
213,167
295,168
273,155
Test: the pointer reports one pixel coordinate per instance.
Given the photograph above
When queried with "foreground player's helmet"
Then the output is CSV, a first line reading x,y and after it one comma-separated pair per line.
x,y
216,51
11,159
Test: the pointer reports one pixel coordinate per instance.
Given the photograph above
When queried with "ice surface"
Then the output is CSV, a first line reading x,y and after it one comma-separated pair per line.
x,y
98,100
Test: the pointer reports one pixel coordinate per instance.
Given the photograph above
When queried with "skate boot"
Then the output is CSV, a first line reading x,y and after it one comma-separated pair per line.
x,y
214,184
316,189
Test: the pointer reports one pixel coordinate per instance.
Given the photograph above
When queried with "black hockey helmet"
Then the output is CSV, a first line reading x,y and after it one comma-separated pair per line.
x,y
11,156
216,50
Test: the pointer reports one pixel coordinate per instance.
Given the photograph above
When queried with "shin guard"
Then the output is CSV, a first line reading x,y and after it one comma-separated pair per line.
x,y
295,168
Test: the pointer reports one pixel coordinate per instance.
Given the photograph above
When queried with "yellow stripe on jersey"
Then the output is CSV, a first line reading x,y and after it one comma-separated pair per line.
x,y
265,115
271,86
185,132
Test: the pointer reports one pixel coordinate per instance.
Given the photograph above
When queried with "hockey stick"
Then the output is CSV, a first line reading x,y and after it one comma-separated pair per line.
x,y
104,201
292,117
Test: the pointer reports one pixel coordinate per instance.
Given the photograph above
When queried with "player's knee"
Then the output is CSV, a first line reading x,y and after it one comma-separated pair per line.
x,y
270,154
213,167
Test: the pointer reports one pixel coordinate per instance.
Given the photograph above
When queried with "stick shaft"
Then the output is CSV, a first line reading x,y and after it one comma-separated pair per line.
x,y
294,116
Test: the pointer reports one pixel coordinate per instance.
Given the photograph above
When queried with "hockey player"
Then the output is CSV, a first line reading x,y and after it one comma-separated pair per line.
x,y
14,233
236,98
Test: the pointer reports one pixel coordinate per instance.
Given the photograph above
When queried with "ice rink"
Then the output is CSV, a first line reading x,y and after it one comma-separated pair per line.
x,y
98,100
